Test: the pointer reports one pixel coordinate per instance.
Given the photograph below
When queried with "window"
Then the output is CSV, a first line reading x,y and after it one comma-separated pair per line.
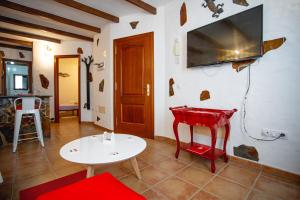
x,y
20,82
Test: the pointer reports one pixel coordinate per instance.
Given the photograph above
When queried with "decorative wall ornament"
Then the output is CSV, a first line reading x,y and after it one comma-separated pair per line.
x,y
247,152
240,65
134,24
101,86
266,47
44,81
97,41
100,66
79,50
216,9
183,15
273,44
204,95
171,90
87,61
21,55
63,74
2,54
241,2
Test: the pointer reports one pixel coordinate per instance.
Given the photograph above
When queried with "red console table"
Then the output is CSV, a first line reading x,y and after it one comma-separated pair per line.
x,y
211,118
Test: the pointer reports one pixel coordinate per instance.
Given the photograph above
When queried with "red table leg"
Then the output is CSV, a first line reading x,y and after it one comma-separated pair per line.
x,y
175,129
213,145
227,129
192,134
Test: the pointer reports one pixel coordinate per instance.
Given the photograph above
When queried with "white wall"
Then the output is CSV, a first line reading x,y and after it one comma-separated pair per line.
x,y
147,23
43,63
274,95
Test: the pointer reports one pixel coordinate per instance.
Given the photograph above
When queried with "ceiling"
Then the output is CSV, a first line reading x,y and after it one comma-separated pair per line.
x,y
118,8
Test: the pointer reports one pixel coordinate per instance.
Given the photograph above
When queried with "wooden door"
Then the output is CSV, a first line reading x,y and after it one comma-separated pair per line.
x,y
133,87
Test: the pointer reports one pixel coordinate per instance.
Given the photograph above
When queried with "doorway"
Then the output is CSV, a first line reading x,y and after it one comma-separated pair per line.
x,y
133,85
17,77
67,87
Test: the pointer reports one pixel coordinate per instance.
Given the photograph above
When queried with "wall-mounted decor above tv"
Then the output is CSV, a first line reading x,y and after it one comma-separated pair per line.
x,y
235,38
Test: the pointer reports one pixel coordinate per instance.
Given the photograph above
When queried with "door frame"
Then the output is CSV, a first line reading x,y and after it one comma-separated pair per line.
x,y
28,63
151,35
56,86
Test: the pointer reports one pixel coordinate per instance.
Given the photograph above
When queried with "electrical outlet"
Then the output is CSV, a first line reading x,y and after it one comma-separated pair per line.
x,y
273,133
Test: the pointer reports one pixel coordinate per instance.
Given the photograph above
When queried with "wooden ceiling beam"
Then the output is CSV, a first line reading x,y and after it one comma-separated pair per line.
x,y
28,35
143,5
88,9
11,46
32,11
44,28
15,41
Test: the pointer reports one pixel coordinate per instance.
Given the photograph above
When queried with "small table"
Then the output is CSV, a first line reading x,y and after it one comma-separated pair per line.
x,y
211,118
92,151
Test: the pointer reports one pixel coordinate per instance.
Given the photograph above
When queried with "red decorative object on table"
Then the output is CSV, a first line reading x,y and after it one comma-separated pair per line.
x,y
211,118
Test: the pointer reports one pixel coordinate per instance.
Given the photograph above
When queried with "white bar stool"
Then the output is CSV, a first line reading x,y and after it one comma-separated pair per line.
x,y
28,107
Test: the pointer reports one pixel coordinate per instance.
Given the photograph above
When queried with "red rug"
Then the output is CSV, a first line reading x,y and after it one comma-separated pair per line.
x,y
33,192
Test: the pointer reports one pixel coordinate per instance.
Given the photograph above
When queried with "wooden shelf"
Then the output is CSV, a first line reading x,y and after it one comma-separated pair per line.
x,y
203,151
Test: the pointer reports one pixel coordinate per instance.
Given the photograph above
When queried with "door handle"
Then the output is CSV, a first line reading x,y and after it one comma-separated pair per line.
x,y
148,89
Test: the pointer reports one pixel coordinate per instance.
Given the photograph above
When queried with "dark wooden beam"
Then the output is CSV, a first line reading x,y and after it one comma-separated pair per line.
x,y
28,35
143,5
32,11
36,26
15,47
88,9
15,41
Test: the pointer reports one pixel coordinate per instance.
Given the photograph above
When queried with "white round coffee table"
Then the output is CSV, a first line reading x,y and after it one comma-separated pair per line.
x,y
92,151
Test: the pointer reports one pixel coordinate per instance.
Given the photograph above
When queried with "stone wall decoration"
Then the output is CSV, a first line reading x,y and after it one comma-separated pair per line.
x,y
183,15
79,50
240,65
134,24
97,41
21,55
44,81
204,95
241,2
248,152
273,44
216,9
100,66
2,54
101,86
64,75
171,90
88,61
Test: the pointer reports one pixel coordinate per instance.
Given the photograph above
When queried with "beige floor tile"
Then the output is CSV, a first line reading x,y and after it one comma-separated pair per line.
x,y
257,195
32,170
153,195
204,196
151,157
277,189
241,175
5,191
127,164
71,169
175,189
226,189
195,175
134,183
152,175
116,170
170,165
205,164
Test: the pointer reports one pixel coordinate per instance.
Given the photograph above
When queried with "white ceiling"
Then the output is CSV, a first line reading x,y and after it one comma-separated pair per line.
x,y
118,8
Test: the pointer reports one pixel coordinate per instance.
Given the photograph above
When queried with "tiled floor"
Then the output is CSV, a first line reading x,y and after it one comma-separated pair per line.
x,y
163,177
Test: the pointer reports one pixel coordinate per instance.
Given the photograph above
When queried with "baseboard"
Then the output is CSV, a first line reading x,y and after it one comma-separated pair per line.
x,y
265,169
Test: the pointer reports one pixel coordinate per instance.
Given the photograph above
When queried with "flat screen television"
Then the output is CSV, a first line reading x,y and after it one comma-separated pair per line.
x,y
235,38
